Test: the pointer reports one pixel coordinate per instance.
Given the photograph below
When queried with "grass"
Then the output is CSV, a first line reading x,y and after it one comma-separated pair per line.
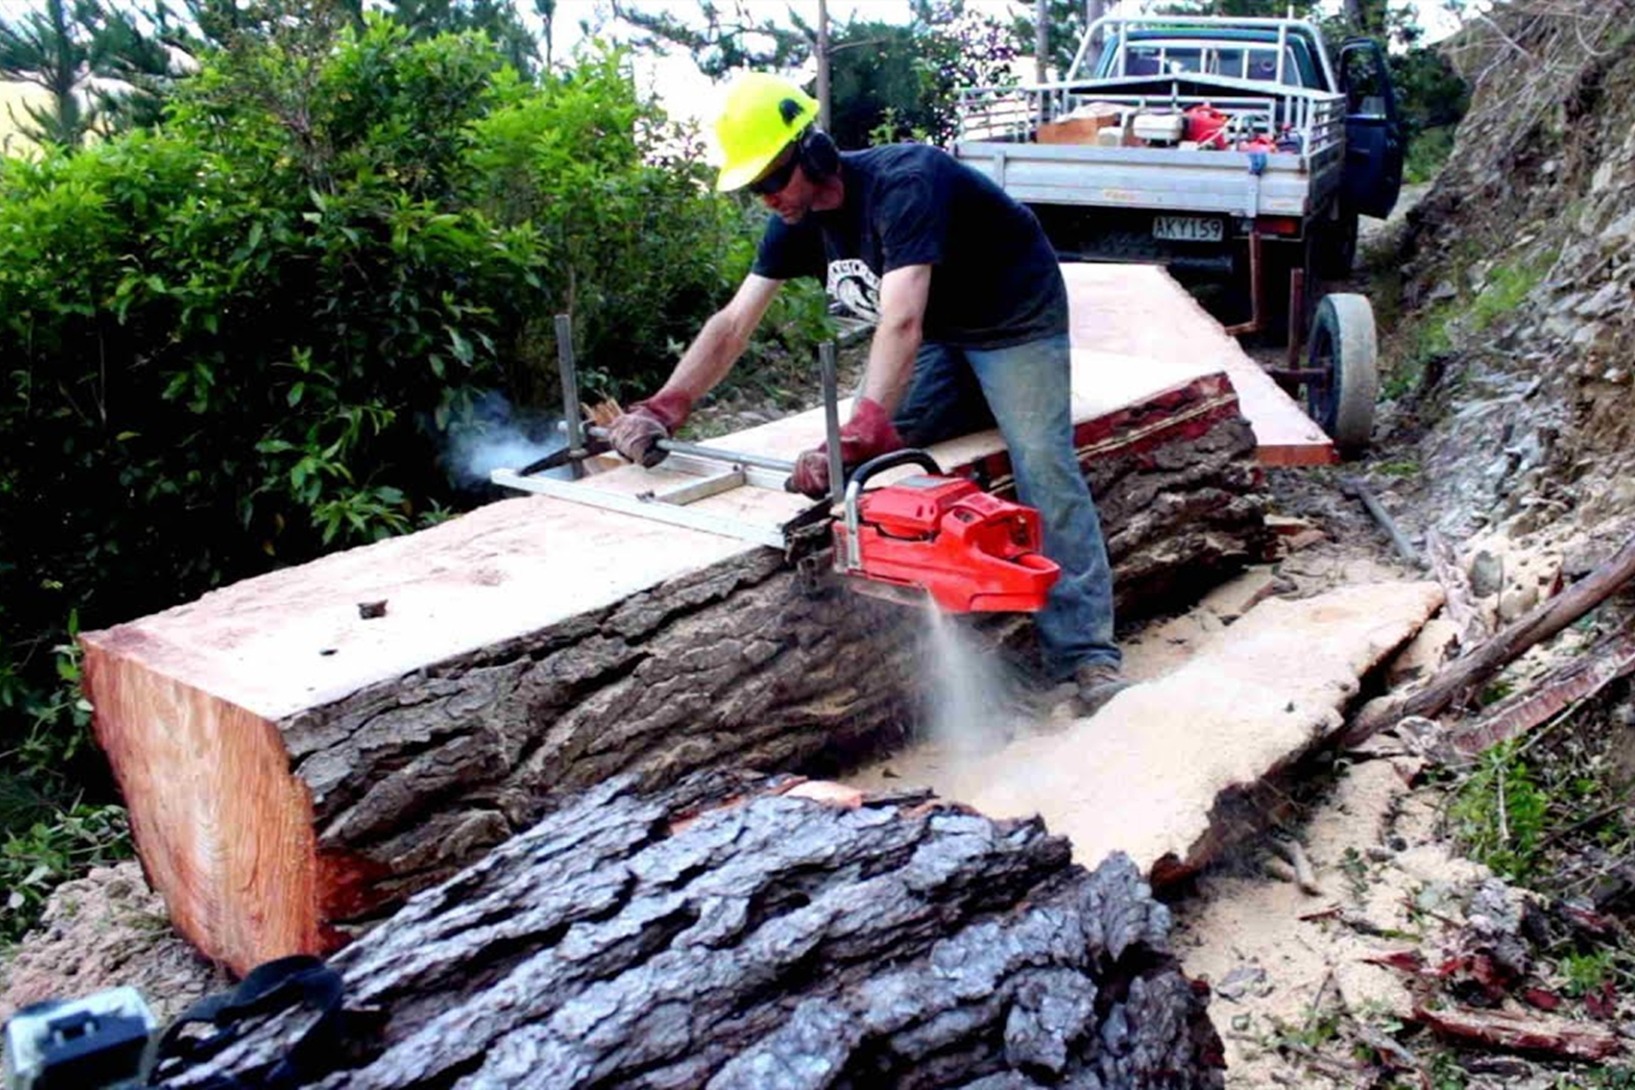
x,y
1507,286
1355,869
1437,329
1499,814
1586,973
1426,153
49,833
1401,469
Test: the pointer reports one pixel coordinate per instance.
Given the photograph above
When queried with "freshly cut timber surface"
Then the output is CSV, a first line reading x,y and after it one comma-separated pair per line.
x,y
1171,769
715,935
295,764
1141,313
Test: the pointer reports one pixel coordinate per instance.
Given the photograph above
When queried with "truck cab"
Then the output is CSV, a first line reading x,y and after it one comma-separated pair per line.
x,y
1240,53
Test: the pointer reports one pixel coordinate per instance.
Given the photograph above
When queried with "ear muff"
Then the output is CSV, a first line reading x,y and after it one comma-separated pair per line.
x,y
819,157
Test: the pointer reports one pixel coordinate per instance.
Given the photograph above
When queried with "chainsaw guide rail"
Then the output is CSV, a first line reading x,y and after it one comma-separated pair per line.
x,y
651,507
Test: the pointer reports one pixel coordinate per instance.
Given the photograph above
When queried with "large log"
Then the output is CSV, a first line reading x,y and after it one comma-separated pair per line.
x,y
295,768
774,943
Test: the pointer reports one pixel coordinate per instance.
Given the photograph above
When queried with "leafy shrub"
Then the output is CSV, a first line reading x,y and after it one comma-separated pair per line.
x,y
36,859
1499,814
247,336
1427,151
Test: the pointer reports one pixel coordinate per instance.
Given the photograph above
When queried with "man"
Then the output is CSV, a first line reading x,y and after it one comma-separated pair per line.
x,y
970,315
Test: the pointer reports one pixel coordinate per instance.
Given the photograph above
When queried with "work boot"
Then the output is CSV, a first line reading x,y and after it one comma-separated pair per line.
x,y
1098,682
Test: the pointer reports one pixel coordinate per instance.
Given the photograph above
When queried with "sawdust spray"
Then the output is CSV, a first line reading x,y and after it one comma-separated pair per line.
x,y
972,699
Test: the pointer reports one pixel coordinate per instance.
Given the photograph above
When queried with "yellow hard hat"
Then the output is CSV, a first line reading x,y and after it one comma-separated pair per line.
x,y
762,115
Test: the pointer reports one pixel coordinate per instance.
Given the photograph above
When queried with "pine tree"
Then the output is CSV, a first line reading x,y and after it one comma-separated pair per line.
x,y
496,18
52,50
101,69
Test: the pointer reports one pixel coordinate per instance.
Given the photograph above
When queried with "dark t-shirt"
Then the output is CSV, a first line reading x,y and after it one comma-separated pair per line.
x,y
995,281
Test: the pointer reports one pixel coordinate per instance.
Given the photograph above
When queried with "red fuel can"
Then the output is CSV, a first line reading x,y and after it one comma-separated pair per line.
x,y
1207,126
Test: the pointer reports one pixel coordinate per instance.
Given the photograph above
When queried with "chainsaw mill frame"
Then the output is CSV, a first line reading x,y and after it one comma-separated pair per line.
x,y
703,464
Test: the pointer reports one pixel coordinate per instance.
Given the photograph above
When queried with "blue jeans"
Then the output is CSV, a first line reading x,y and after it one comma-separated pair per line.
x,y
1025,391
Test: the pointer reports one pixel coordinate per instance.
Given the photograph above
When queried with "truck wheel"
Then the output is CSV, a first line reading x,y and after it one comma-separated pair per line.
x,y
1342,348
1337,246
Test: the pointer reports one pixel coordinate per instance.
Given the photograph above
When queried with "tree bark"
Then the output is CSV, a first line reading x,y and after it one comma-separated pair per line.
x,y
687,938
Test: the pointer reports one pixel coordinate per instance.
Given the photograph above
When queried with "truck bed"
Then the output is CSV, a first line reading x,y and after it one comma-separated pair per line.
x,y
999,129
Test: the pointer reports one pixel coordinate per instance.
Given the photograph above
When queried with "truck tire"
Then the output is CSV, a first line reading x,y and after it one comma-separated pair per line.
x,y
1337,245
1343,347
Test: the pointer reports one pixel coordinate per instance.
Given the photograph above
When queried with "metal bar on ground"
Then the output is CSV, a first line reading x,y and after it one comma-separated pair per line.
x,y
1371,503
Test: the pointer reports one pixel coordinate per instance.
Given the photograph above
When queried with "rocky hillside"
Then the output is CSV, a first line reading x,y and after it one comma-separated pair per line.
x,y
1517,335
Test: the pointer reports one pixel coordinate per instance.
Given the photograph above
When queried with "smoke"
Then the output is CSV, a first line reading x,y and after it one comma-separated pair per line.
x,y
497,436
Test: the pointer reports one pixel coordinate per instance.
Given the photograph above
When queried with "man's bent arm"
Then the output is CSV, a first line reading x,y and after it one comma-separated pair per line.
x,y
903,293
723,338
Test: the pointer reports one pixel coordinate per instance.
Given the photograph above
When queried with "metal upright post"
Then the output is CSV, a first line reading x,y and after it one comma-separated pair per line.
x,y
831,420
571,418
825,110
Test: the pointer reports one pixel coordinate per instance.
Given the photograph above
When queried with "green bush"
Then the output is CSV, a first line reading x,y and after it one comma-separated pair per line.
x,y
1427,151
1499,814
36,859
248,336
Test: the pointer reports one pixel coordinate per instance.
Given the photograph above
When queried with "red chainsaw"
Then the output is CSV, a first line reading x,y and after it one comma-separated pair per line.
x,y
972,552
928,534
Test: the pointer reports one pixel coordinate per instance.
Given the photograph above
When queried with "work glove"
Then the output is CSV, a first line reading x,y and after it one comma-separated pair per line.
x,y
635,432
868,434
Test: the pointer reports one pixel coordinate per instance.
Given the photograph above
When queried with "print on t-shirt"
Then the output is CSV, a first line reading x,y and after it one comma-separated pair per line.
x,y
854,286
996,281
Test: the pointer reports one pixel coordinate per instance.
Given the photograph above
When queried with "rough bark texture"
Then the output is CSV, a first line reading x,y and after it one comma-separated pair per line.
x,y
747,662
774,943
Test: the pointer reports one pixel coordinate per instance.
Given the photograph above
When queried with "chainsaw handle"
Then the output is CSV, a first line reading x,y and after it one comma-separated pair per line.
x,y
851,558
883,462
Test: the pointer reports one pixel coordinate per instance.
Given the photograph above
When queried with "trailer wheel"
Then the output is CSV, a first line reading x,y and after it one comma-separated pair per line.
x,y
1342,349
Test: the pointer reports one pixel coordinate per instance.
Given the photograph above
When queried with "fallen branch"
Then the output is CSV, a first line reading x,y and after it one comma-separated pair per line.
x,y
1543,1035
1391,1052
1313,1058
1403,546
1459,600
1463,675
1574,683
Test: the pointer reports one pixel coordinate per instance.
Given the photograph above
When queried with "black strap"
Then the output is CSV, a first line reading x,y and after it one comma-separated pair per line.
x,y
270,987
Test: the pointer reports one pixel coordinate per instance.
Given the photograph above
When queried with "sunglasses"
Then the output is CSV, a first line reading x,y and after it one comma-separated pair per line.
x,y
774,180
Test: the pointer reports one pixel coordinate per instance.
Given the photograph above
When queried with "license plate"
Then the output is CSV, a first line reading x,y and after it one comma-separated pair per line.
x,y
1188,228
